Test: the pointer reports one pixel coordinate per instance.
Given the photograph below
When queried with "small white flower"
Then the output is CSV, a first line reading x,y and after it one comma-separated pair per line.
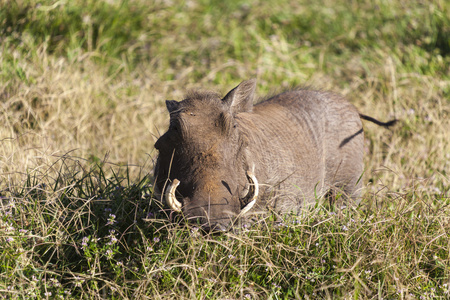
x,y
84,242
10,228
109,253
111,219
55,282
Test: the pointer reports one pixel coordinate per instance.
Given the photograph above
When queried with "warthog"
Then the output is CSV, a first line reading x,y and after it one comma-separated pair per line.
x,y
221,156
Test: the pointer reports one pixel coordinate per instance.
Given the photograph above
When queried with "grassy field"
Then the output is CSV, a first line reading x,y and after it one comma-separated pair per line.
x,y
82,91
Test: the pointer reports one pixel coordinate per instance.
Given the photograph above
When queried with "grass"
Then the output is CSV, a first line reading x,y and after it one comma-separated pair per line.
x,y
82,90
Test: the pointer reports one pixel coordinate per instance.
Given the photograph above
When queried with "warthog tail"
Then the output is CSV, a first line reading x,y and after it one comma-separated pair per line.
x,y
384,124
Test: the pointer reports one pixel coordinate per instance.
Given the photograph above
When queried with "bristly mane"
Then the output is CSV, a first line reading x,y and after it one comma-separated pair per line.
x,y
200,94
277,92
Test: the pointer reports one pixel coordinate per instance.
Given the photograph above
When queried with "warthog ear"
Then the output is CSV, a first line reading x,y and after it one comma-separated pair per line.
x,y
240,99
172,105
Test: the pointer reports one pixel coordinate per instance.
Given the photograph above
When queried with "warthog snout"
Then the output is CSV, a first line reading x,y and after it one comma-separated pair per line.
x,y
213,214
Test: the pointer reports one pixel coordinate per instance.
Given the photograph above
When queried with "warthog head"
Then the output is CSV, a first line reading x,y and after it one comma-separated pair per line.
x,y
204,169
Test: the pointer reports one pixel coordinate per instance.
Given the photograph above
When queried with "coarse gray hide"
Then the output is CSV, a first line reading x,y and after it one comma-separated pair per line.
x,y
220,156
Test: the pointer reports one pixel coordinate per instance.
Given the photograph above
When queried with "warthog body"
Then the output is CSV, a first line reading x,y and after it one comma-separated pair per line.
x,y
292,148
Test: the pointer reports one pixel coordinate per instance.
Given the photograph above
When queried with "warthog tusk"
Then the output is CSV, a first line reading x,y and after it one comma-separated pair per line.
x,y
254,182
170,196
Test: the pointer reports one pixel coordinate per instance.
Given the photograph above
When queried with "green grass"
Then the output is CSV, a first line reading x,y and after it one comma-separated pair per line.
x,y
82,90
91,236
